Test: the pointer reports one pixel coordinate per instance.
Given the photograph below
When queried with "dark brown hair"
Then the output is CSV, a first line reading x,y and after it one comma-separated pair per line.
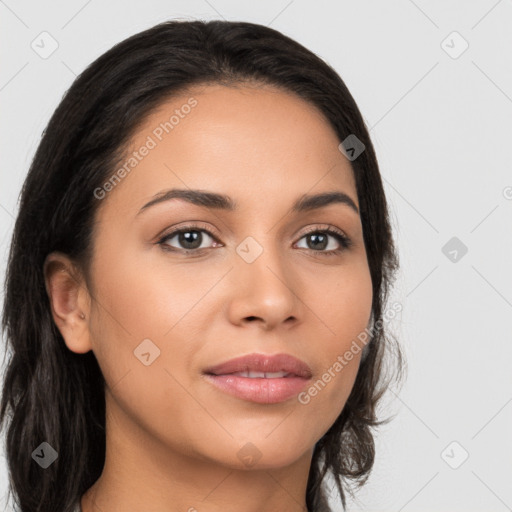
x,y
52,394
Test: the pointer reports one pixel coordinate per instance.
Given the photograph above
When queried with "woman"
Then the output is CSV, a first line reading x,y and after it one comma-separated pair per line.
x,y
196,287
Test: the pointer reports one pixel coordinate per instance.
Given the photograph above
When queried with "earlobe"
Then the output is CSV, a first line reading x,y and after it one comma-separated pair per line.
x,y
68,299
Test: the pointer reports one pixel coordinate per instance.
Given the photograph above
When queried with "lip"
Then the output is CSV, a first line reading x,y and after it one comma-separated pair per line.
x,y
263,363
260,390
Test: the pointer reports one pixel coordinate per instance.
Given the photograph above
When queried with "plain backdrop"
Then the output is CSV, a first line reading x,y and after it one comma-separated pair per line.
x,y
433,81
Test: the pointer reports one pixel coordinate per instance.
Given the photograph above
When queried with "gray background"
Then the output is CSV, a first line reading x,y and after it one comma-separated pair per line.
x,y
441,122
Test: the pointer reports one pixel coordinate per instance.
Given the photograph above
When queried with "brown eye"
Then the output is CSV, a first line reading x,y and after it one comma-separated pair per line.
x,y
187,239
318,241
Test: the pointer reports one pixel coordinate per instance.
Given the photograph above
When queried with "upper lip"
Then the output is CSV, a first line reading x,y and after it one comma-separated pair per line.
x,y
263,363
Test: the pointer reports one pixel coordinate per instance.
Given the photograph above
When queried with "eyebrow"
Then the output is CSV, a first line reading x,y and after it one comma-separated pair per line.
x,y
223,202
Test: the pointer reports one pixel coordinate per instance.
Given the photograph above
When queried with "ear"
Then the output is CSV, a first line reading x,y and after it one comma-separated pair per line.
x,y
70,301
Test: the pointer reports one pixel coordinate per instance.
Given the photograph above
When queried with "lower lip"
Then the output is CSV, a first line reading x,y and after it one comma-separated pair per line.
x,y
262,391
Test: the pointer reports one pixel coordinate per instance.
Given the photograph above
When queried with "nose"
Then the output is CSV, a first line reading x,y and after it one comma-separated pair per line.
x,y
264,292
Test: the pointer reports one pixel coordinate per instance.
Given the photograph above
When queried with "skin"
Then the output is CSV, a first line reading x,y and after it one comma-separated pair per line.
x,y
173,438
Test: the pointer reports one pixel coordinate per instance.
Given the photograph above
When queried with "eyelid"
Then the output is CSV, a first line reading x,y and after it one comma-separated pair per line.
x,y
324,227
191,225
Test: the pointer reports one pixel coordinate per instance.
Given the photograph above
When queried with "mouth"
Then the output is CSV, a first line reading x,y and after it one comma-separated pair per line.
x,y
262,375
260,378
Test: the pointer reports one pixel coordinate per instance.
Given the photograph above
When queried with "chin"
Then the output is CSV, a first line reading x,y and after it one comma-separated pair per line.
x,y
273,452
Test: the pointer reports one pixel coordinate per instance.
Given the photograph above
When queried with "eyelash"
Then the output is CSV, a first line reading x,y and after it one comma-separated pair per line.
x,y
344,241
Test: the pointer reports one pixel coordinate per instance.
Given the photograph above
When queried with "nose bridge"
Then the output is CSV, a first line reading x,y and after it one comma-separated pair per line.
x,y
264,276
261,253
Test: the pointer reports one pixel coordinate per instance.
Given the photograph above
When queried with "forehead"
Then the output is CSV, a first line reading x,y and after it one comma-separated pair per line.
x,y
253,143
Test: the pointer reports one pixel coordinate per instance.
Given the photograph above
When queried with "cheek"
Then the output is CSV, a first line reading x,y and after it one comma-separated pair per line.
x,y
342,303
344,313
325,398
156,399
139,296
140,307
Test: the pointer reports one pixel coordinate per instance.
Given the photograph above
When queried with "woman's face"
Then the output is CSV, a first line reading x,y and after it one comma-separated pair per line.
x,y
253,281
